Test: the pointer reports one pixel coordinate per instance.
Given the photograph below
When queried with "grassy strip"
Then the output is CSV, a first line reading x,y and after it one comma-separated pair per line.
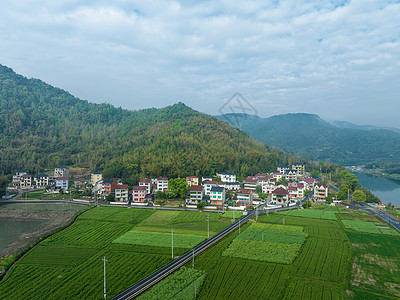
x,y
311,213
159,239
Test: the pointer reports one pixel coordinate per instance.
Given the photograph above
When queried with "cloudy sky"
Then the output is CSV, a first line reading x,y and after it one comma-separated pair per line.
x,y
338,59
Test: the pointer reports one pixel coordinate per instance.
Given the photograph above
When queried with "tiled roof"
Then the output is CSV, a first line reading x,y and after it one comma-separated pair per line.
x,y
280,191
196,188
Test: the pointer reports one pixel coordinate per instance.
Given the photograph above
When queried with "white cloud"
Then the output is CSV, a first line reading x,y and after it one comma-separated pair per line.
x,y
284,56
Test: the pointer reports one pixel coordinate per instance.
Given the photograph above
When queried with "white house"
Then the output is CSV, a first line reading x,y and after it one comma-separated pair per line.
x,y
162,184
146,183
196,194
217,196
208,185
227,177
61,172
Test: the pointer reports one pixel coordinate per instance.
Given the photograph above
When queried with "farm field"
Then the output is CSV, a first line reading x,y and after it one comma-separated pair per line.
x,y
68,265
321,270
267,242
376,269
311,213
368,227
232,214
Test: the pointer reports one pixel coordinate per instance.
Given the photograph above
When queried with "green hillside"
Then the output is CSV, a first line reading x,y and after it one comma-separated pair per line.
x,y
43,127
310,136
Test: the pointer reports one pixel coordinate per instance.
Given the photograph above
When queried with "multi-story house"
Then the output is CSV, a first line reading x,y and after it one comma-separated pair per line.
x,y
232,186
282,168
250,183
244,197
293,192
109,187
227,176
310,182
26,181
196,194
80,183
280,196
320,191
17,177
139,194
121,193
276,175
146,183
192,180
41,180
61,172
95,177
299,168
62,183
268,188
217,196
162,184
208,185
290,175
300,190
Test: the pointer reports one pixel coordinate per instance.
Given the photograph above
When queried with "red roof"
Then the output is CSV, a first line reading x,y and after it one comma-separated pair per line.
x,y
196,188
309,180
321,185
244,191
191,177
280,191
263,178
121,187
300,185
26,175
251,180
138,188
145,180
163,178
62,178
211,182
292,188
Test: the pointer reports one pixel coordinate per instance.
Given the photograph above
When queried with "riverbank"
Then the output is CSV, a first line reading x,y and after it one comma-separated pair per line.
x,y
52,221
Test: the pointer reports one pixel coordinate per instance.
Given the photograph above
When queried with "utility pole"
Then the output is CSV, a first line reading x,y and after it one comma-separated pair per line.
x,y
239,226
172,231
263,236
256,214
283,220
105,291
208,225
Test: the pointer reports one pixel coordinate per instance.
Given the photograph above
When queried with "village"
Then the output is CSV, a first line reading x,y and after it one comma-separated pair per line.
x,y
283,187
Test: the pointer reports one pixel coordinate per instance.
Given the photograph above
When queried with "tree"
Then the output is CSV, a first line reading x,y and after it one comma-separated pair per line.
x,y
177,188
258,190
282,180
110,198
307,204
201,204
329,199
343,191
263,195
359,196
160,195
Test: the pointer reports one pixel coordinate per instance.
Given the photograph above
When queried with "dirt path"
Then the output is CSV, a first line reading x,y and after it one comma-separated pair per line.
x,y
54,220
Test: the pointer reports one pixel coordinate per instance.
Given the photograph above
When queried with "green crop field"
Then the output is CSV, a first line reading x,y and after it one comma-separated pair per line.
x,y
179,285
268,242
368,227
159,239
68,265
311,213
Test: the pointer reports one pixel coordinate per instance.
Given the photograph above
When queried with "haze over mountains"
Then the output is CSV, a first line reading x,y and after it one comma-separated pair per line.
x,y
310,136
43,127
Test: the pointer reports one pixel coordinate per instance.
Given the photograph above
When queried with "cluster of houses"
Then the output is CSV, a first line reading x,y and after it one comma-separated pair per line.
x,y
216,190
58,180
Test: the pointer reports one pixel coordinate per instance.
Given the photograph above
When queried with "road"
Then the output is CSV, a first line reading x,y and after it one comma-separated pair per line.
x,y
141,286
379,213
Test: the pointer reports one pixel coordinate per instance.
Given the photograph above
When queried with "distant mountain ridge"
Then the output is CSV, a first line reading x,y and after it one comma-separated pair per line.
x,y
310,136
43,127
345,124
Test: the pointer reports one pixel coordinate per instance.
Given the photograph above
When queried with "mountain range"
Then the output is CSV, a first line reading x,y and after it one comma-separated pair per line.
x,y
310,136
43,127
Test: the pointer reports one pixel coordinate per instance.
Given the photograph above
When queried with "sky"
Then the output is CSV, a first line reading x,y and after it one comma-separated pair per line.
x,y
337,59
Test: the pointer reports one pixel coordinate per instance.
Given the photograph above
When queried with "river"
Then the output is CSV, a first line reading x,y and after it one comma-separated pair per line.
x,y
387,190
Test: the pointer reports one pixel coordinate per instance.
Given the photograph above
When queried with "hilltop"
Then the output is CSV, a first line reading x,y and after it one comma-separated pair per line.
x,y
43,127
310,136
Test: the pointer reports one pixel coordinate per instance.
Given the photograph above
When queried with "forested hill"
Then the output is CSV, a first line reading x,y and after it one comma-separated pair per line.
x,y
310,136
43,127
